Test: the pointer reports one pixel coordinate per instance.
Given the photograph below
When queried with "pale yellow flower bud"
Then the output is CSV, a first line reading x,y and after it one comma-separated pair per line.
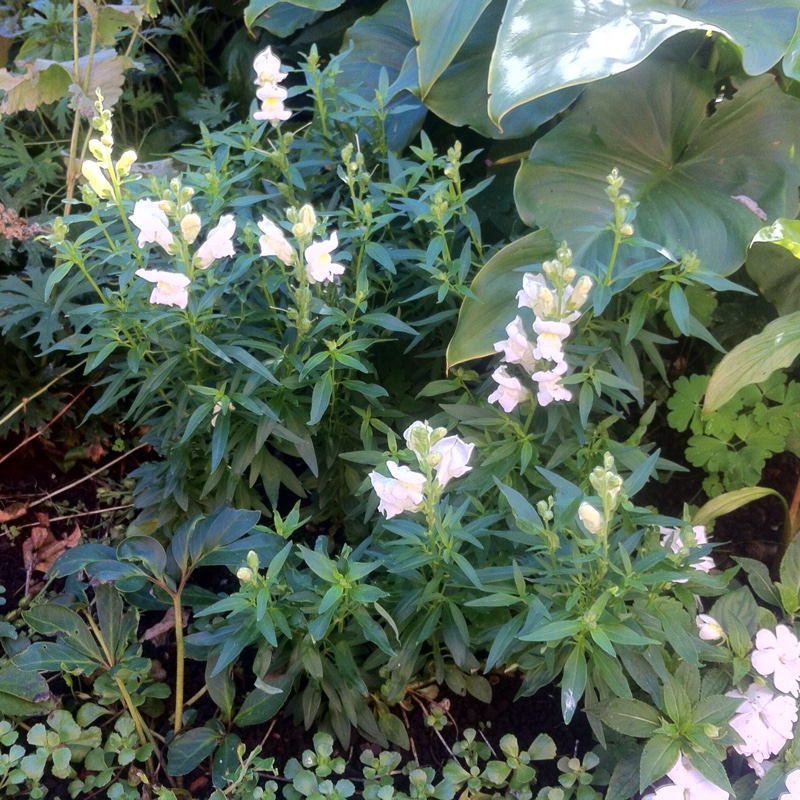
x,y
626,229
581,292
92,172
125,162
299,230
308,218
252,560
244,574
190,227
99,150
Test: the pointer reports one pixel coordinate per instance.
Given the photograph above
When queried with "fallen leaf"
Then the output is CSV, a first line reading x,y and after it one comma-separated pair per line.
x,y
41,549
12,512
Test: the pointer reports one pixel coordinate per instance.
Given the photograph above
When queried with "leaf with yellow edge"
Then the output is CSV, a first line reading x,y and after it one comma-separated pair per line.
x,y
481,322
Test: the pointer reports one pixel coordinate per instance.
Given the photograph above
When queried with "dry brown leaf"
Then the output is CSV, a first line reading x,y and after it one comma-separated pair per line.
x,y
167,625
12,512
41,549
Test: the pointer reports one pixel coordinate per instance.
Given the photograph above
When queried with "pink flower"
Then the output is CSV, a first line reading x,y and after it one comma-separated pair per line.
x,y
517,349
218,244
273,242
319,266
778,654
170,287
152,223
455,454
765,721
510,392
272,108
402,492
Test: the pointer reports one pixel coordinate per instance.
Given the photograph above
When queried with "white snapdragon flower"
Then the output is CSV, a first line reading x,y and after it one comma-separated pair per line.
x,y
778,654
671,537
272,108
152,223
93,173
510,392
320,268
535,295
402,492
591,518
455,454
218,244
688,783
170,287
792,786
708,629
517,349
273,242
550,387
765,721
268,68
550,339
190,227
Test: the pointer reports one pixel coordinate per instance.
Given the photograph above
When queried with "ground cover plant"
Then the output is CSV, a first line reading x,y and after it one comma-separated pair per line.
x,y
396,444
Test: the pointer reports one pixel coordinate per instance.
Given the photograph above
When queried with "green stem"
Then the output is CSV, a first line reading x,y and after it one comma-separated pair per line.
x,y
179,658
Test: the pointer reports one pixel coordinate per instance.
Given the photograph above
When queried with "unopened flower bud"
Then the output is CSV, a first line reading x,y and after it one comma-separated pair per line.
x,y
550,269
100,151
167,206
564,254
626,229
190,227
299,230
581,292
308,217
244,574
92,172
252,560
591,518
569,275
125,162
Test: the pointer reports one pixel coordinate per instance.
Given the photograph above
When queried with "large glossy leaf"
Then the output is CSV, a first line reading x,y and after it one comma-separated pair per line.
x,y
382,42
461,94
441,29
481,322
776,272
544,45
683,166
754,360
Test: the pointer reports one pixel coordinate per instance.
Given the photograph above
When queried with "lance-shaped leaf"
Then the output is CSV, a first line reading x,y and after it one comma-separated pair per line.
x,y
545,45
681,165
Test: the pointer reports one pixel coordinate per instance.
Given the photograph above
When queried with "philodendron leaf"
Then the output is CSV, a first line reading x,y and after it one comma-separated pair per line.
x,y
481,322
690,173
754,360
545,45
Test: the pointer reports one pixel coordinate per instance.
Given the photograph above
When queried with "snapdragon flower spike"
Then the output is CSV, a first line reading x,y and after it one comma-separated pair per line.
x,y
170,287
218,244
152,223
